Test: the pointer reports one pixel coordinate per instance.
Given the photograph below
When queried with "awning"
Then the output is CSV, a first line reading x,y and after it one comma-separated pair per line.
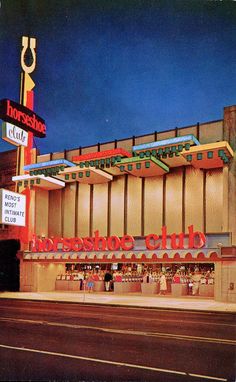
x,y
40,181
210,155
86,175
210,254
142,167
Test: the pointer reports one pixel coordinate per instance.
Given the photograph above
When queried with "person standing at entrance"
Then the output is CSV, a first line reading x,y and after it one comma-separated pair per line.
x,y
107,279
90,282
196,282
163,285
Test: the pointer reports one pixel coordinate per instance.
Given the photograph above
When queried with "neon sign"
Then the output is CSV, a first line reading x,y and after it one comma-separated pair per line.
x,y
193,240
22,117
14,134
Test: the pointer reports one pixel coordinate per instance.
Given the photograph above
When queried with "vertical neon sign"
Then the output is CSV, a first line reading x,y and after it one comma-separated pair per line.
x,y
25,155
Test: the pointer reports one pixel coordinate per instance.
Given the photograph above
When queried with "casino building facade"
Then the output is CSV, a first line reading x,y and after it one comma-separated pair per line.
x,y
166,199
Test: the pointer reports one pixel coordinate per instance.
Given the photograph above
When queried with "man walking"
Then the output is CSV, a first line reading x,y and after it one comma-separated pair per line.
x,y
107,279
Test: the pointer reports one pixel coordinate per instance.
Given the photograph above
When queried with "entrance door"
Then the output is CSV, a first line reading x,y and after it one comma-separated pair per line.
x,y
9,265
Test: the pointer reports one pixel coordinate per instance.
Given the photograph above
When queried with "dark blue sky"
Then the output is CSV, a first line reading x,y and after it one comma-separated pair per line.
x,y
111,69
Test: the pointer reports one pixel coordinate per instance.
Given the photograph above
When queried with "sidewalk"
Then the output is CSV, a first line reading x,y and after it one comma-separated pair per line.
x,y
132,299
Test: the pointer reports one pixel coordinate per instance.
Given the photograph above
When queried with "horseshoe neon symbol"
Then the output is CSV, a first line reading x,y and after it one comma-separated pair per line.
x,y
28,42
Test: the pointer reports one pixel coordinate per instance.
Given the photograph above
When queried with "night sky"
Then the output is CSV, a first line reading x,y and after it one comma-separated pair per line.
x,y
111,69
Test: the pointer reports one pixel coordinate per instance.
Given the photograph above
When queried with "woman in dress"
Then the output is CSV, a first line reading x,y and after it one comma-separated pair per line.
x,y
163,285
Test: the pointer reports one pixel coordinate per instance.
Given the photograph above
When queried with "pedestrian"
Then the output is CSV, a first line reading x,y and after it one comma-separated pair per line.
x,y
90,282
196,282
107,279
163,285
176,278
81,279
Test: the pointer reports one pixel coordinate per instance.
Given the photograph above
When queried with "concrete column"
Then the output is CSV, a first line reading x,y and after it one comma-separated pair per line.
x,y
230,126
230,136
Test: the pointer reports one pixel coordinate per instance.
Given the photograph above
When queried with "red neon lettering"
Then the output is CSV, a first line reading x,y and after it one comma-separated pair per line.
x,y
56,241
173,238
34,243
113,243
196,239
163,237
193,236
152,238
127,239
88,244
9,109
99,240
47,245
76,244
22,117
66,246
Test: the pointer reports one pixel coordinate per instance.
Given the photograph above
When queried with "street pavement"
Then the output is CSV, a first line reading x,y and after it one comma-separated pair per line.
x,y
49,341
131,299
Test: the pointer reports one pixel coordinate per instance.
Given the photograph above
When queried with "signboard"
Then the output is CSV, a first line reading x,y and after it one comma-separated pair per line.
x,y
192,239
12,208
22,117
14,135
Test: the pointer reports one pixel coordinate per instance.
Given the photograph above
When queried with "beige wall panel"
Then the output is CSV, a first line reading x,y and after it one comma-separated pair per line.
x,y
166,135
117,206
174,192
225,217
58,155
211,132
194,198
47,274
232,203
91,149
100,208
153,205
32,220
70,154
134,199
214,200
225,273
41,213
28,277
188,130
55,213
68,213
107,146
43,158
83,210
145,139
125,144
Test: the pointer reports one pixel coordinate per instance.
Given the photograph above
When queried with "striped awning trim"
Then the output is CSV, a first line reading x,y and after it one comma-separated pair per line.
x,y
205,254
